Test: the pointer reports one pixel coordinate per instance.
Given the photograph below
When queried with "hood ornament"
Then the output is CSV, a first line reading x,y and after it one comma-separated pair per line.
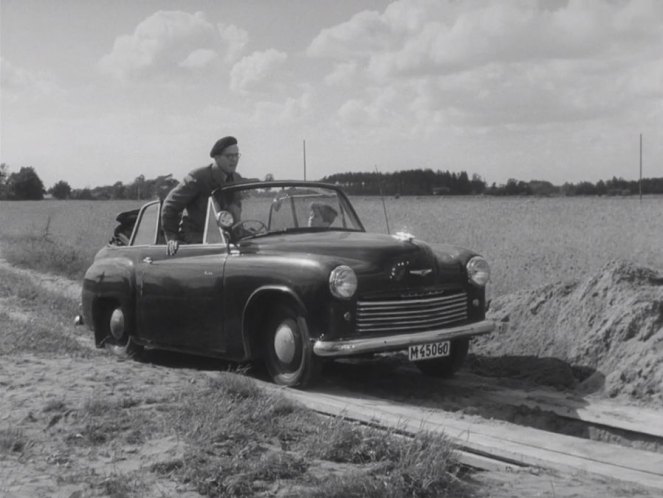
x,y
404,236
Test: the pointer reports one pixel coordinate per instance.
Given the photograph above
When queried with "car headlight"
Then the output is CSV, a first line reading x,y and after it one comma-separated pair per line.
x,y
343,282
478,270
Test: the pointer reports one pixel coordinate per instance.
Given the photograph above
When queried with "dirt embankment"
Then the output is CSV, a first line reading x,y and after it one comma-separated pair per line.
x,y
608,327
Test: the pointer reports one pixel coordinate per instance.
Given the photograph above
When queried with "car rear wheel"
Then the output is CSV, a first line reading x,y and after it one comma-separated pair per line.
x,y
449,365
288,352
118,338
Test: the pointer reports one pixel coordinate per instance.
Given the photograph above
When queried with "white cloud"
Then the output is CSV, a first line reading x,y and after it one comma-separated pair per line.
x,y
18,82
438,37
344,74
168,41
199,58
360,36
382,109
254,69
235,40
510,63
290,111
646,80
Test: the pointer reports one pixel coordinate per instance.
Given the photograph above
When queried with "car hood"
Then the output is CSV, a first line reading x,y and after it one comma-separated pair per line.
x,y
384,259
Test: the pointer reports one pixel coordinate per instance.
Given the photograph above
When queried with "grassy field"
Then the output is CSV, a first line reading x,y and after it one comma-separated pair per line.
x,y
528,241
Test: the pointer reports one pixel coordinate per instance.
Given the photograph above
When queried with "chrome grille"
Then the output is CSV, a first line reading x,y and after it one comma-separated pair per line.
x,y
413,313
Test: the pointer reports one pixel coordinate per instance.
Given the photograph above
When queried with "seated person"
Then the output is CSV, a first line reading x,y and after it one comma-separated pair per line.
x,y
322,215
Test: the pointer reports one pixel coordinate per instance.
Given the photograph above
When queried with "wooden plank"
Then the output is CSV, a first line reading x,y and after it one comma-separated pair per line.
x,y
486,463
628,418
524,445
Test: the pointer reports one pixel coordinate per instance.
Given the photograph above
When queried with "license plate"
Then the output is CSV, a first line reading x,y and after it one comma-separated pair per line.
x,y
428,351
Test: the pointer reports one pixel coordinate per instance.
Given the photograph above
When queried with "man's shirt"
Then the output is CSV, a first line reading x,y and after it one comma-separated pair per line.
x,y
185,208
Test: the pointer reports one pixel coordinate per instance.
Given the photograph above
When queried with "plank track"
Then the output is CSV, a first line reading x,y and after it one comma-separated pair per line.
x,y
500,440
635,419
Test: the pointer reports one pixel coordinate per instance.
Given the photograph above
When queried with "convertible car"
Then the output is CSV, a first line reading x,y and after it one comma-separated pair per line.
x,y
286,274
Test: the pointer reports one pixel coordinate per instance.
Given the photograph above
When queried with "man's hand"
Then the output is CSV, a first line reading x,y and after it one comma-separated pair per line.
x,y
173,246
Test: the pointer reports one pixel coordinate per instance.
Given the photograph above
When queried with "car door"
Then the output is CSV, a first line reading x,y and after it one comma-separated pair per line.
x,y
180,297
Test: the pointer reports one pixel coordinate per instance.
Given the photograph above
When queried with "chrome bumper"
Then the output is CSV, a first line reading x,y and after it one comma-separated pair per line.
x,y
390,343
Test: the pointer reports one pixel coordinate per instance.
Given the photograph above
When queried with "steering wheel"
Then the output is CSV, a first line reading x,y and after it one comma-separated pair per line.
x,y
245,228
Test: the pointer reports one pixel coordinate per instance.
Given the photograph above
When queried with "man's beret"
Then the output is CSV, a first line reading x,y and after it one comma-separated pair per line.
x,y
221,144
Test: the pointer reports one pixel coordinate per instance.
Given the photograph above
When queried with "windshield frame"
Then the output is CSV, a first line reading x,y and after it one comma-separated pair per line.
x,y
348,209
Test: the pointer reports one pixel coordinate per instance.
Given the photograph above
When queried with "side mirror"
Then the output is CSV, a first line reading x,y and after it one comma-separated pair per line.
x,y
225,220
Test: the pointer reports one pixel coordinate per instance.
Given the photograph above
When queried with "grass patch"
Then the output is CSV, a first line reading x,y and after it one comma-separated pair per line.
x,y
104,420
243,442
40,252
55,405
118,486
36,320
59,307
340,441
20,336
12,441
421,466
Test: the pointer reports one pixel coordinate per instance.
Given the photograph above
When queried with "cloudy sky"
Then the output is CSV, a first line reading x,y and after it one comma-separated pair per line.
x,y
96,91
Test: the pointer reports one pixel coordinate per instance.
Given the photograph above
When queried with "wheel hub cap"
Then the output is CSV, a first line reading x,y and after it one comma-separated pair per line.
x,y
284,343
117,324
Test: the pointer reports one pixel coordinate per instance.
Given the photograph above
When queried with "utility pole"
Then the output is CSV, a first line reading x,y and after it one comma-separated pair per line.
x,y
640,182
304,160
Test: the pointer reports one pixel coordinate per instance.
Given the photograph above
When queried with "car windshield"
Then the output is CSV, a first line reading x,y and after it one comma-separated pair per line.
x,y
264,209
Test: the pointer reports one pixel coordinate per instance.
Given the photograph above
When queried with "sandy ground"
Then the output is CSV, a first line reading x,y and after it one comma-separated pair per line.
x,y
607,327
45,397
46,401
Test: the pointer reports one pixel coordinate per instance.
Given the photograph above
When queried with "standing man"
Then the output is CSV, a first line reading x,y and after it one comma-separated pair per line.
x,y
184,209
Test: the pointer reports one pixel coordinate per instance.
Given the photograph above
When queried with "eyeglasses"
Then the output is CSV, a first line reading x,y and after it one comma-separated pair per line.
x,y
232,156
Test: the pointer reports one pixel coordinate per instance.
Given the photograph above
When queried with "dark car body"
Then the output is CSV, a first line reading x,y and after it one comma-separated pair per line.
x,y
274,289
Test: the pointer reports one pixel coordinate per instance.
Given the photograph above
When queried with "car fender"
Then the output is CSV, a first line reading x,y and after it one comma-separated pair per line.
x,y
251,318
108,279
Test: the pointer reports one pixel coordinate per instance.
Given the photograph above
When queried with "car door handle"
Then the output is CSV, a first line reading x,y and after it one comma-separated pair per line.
x,y
147,260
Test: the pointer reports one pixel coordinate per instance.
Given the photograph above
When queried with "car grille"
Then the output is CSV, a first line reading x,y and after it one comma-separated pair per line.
x,y
412,311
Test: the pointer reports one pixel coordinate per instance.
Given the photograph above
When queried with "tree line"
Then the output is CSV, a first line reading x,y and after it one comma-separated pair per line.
x,y
25,184
429,182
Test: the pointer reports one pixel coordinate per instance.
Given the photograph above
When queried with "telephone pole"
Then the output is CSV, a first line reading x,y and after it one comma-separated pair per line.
x,y
640,182
304,143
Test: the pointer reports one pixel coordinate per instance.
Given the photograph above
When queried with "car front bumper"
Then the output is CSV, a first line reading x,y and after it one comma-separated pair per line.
x,y
351,347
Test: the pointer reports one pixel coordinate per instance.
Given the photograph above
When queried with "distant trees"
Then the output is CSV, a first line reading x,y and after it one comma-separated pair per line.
x,y
409,182
25,185
140,188
61,190
4,173
428,182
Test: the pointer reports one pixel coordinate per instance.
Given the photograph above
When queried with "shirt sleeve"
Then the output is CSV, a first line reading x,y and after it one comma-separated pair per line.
x,y
175,203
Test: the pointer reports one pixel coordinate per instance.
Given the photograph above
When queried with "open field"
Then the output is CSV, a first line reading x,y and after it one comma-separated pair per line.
x,y
528,241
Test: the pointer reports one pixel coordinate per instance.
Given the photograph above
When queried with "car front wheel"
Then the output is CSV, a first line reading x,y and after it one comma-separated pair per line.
x,y
449,365
119,339
289,356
